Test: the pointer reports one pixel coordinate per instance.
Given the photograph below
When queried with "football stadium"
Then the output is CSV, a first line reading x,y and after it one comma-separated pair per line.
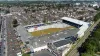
x,y
43,29
57,36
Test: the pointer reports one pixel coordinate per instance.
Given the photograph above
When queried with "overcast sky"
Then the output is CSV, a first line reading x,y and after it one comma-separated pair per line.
x,y
49,0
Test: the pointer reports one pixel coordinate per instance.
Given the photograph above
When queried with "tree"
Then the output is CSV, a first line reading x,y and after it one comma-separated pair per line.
x,y
7,11
86,54
92,44
27,42
15,23
90,48
97,16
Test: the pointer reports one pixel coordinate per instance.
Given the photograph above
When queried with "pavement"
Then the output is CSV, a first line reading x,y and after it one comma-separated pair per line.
x,y
24,35
43,53
73,51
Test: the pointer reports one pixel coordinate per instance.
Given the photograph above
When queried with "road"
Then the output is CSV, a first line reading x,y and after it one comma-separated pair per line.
x,y
4,38
73,51
9,38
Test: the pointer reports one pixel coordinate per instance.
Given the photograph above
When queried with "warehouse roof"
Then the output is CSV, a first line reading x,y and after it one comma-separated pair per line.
x,y
62,42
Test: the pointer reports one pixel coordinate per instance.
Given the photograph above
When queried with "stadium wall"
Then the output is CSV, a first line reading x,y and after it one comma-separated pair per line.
x,y
56,25
40,48
66,50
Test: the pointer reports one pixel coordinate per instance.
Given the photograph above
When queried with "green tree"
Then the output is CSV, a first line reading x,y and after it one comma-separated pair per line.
x,y
97,16
15,23
7,11
86,54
